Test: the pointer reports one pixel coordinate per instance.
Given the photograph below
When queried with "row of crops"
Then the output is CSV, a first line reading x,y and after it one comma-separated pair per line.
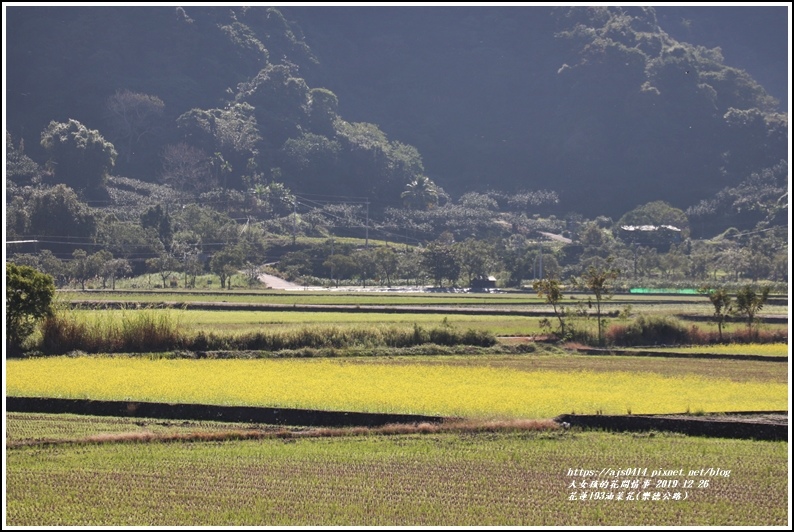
x,y
502,479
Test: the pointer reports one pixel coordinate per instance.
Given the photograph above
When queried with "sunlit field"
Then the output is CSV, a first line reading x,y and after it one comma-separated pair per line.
x,y
733,370
527,300
243,321
250,321
310,297
518,479
772,350
37,427
433,389
514,478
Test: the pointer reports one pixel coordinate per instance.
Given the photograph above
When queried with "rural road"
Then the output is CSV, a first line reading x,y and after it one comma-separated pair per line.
x,y
277,283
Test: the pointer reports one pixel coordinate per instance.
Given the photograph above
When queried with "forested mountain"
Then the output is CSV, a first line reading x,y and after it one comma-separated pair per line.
x,y
598,104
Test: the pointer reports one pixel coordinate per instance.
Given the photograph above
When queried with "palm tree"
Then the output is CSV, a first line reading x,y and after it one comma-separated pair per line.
x,y
421,193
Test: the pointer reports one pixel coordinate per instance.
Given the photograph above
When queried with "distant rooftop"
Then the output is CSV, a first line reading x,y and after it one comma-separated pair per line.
x,y
649,227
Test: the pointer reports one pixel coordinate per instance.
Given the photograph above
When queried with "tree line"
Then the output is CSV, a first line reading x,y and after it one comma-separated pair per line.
x,y
192,240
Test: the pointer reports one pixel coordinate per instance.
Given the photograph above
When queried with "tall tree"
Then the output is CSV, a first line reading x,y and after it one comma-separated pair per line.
x,y
551,291
750,302
225,264
476,258
57,211
159,219
387,262
132,117
29,295
252,248
340,267
78,156
598,279
366,265
165,265
187,169
323,111
84,267
20,169
233,132
280,100
421,193
113,269
128,240
441,262
99,261
723,305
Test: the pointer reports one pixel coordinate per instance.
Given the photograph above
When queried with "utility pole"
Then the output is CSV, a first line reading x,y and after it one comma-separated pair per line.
x,y
537,264
294,219
366,227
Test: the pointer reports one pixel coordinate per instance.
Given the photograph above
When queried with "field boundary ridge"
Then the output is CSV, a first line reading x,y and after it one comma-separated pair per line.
x,y
730,427
242,414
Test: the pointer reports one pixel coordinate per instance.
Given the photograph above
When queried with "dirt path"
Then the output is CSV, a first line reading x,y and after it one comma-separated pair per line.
x,y
277,283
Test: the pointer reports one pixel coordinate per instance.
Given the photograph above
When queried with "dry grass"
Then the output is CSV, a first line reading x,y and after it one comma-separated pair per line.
x,y
454,426
667,330
151,330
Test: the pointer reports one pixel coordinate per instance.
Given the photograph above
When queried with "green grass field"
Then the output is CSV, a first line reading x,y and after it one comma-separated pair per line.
x,y
243,321
254,320
516,300
28,428
772,350
310,297
499,479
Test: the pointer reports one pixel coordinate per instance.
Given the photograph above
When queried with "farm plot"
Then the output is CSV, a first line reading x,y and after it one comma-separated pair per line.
x,y
238,321
28,428
651,304
771,350
309,298
247,321
518,479
409,387
733,370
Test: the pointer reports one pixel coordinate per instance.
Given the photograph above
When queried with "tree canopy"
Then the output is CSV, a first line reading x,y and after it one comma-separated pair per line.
x,y
77,156
29,295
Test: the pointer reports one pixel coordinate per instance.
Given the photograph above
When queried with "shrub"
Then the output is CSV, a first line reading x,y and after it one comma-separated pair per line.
x,y
356,337
649,330
133,332
152,330
665,330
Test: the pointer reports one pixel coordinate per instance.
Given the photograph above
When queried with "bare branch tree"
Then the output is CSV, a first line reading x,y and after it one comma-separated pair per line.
x,y
132,116
187,169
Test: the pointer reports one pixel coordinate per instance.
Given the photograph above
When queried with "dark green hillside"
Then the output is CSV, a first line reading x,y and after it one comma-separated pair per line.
x,y
583,101
601,104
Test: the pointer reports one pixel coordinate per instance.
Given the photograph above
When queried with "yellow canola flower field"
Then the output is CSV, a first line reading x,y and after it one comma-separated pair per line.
x,y
431,389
